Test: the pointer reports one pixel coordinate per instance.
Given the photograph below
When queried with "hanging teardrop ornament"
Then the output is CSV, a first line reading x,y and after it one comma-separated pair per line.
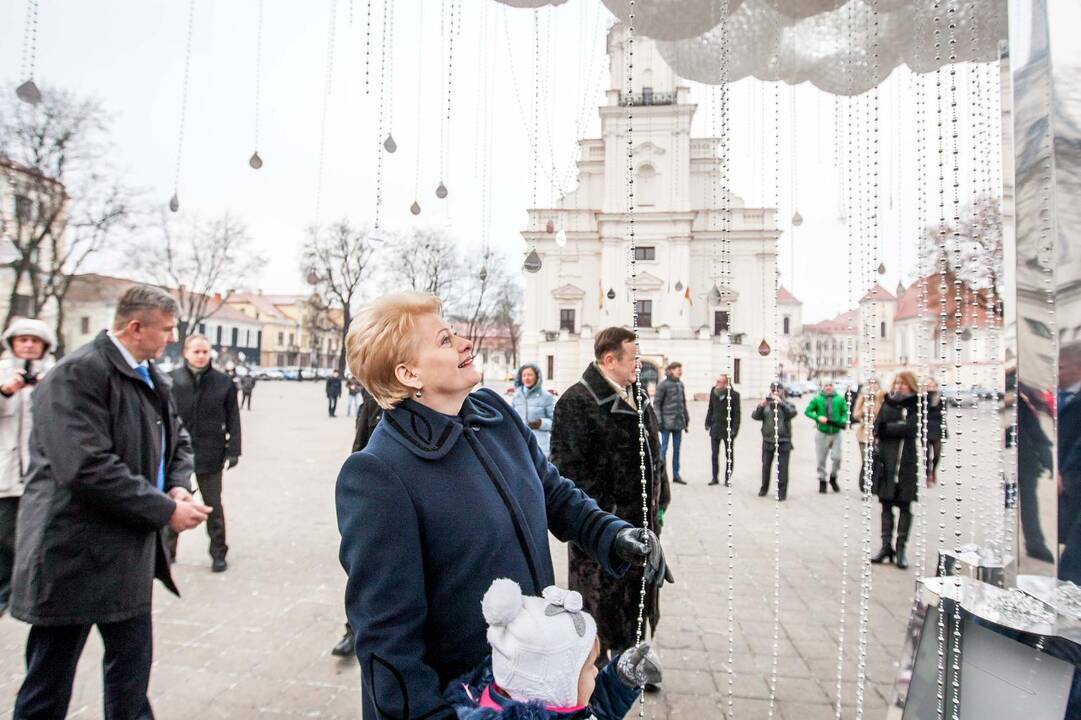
x,y
763,348
532,262
611,294
255,161
28,92
483,274
389,145
550,227
441,191
561,238
679,286
174,203
882,268
797,219
415,208
313,277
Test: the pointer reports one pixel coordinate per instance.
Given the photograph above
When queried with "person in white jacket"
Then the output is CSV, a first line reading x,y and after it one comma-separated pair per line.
x,y
25,360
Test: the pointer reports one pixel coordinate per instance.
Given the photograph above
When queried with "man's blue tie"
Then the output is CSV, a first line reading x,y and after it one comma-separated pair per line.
x,y
144,372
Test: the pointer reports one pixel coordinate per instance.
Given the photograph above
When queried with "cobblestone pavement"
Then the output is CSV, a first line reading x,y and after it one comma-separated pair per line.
x,y
254,641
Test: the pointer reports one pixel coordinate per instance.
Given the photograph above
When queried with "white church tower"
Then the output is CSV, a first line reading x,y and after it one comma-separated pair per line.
x,y
584,284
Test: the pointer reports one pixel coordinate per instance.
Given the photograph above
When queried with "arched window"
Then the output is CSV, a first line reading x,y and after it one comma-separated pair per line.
x,y
787,328
646,187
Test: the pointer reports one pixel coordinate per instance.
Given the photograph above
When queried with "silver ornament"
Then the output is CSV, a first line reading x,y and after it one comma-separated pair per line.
x,y
389,145
28,92
415,208
441,191
255,161
532,262
174,203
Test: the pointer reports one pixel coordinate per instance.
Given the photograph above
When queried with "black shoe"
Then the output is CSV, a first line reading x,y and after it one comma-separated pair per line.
x,y
678,480
782,498
901,561
727,483
218,565
884,555
1040,552
652,687
822,487
3,607
346,646
833,483
762,492
714,481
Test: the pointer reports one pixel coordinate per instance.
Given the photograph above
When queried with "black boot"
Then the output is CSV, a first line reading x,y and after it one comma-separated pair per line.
x,y
822,486
345,646
886,553
833,483
904,523
763,490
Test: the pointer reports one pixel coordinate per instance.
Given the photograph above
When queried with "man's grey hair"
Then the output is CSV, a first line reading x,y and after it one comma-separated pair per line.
x,y
141,299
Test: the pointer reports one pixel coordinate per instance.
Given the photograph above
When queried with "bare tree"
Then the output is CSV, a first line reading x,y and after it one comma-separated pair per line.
x,y
69,202
972,248
336,261
206,261
427,261
507,313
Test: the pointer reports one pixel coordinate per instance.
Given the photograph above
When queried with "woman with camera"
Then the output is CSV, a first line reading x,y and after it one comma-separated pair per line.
x,y
24,363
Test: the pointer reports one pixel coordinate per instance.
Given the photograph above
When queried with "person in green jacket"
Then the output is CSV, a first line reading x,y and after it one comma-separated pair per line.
x,y
830,413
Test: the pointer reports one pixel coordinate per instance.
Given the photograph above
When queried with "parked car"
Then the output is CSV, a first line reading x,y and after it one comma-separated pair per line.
x,y
793,389
959,397
271,374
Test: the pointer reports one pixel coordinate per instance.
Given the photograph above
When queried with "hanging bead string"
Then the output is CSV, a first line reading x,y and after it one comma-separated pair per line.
x,y
452,28
258,72
482,82
28,60
592,79
385,59
955,683
872,335
368,53
486,147
777,409
534,139
792,192
420,97
174,201
328,79
923,340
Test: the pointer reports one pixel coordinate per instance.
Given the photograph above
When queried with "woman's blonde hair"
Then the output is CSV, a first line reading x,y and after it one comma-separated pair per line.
x,y
908,378
381,338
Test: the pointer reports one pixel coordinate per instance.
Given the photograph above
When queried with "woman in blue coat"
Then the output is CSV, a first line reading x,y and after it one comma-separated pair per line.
x,y
451,492
534,405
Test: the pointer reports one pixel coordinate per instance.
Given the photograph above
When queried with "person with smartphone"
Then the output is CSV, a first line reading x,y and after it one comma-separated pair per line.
x,y
26,344
775,413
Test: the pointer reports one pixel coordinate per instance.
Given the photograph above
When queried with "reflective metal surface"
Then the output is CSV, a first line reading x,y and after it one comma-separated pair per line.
x,y
1045,68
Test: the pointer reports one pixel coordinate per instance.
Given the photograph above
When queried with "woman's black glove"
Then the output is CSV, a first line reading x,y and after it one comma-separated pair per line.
x,y
639,666
634,545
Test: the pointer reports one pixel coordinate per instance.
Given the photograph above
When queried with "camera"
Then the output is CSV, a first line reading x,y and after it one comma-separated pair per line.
x,y
29,377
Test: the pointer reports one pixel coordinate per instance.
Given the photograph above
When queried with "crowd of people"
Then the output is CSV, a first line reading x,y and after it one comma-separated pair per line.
x,y
444,505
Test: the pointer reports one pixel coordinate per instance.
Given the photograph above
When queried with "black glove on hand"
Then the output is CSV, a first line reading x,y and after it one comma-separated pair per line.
x,y
634,545
231,462
639,666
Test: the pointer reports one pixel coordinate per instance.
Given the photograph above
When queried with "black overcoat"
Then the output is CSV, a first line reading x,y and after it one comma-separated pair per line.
x,y
595,444
717,412
896,451
211,415
89,528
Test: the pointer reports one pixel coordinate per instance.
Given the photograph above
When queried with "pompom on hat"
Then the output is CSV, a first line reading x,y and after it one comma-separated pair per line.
x,y
539,645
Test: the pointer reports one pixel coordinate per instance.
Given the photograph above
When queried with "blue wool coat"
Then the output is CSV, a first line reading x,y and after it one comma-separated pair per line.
x,y
535,403
431,512
611,699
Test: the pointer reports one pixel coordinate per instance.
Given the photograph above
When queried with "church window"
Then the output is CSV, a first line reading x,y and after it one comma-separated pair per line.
x,y
721,321
551,367
84,325
566,319
646,186
735,371
644,308
882,328
647,96
645,253
787,325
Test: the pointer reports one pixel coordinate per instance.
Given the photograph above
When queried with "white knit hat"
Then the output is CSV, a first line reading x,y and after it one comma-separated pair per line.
x,y
29,326
539,645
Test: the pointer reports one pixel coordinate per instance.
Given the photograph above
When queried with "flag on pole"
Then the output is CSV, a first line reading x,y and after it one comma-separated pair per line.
x,y
687,296
600,294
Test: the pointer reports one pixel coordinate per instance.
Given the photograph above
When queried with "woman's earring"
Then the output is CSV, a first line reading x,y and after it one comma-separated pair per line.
x,y
418,393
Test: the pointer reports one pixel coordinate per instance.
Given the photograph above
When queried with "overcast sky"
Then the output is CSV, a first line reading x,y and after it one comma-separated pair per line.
x,y
130,55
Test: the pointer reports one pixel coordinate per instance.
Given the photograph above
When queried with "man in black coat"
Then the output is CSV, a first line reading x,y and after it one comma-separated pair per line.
x,y
334,391
110,467
206,400
595,444
723,413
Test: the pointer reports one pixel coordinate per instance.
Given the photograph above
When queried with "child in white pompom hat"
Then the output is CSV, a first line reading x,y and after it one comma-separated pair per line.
x,y
543,659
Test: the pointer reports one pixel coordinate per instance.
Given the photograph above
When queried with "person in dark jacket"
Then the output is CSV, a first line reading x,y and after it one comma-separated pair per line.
x,y
110,467
670,404
595,444
1068,428
352,390
895,471
334,391
722,423
775,413
936,430
450,493
542,665
247,385
367,419
206,400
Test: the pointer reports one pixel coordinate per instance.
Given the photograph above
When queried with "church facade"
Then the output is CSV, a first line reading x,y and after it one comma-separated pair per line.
x,y
686,311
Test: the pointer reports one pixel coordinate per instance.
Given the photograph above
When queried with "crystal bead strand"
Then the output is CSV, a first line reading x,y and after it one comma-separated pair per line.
x,y
776,649
174,201
255,161
923,340
327,82
387,145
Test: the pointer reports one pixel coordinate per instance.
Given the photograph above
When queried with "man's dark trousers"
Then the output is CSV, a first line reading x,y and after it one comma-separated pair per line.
x,y
210,489
782,468
332,405
52,653
715,443
245,399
